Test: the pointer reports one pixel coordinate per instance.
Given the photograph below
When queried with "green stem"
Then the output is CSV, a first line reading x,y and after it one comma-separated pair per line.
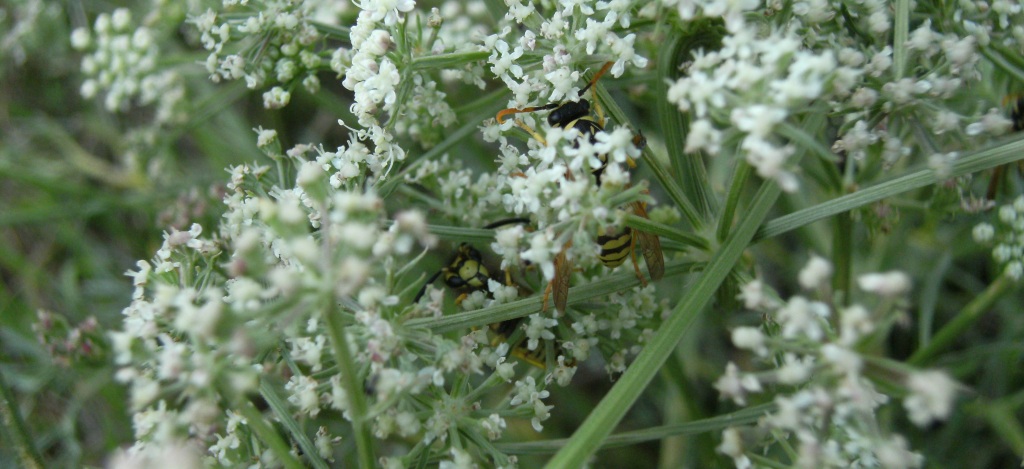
x,y
963,320
665,177
517,309
688,168
739,179
255,420
284,415
970,163
12,426
353,387
901,32
999,60
1002,417
842,255
589,437
450,60
721,422
668,232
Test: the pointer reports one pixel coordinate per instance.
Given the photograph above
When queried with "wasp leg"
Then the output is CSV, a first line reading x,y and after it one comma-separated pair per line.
x,y
597,102
533,133
632,255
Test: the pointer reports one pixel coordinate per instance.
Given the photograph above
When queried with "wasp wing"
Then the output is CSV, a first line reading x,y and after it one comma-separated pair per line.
x,y
650,246
560,284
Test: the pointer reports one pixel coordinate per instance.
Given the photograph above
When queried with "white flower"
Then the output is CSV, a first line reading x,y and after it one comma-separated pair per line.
x,y
563,81
265,136
623,49
931,397
754,296
893,453
494,425
80,38
816,273
750,338
855,322
503,61
303,394
732,446
734,386
802,317
276,98
983,232
844,360
461,459
993,123
386,10
794,369
541,253
886,284
703,136
538,328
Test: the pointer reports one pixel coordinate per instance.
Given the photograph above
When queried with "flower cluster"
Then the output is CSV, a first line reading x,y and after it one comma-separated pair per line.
x,y
122,66
1007,236
287,54
830,407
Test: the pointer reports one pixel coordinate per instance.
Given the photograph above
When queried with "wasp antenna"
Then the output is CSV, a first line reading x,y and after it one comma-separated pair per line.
x,y
507,221
423,289
507,112
597,76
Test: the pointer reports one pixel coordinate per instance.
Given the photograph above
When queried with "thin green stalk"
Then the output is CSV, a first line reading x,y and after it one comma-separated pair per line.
x,y
930,293
589,437
338,33
1008,54
1002,417
653,227
1000,61
688,169
387,186
667,180
12,427
353,388
901,31
255,420
739,180
991,157
517,309
720,422
284,415
803,137
450,60
963,320
842,254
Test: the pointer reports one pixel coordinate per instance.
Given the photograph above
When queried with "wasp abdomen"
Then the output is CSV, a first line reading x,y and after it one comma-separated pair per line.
x,y
615,247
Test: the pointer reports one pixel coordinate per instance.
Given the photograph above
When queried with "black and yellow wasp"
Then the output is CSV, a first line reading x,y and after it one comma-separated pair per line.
x,y
466,273
615,246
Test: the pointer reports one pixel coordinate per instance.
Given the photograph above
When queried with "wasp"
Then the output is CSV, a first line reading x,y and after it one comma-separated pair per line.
x,y
617,245
1016,103
467,273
